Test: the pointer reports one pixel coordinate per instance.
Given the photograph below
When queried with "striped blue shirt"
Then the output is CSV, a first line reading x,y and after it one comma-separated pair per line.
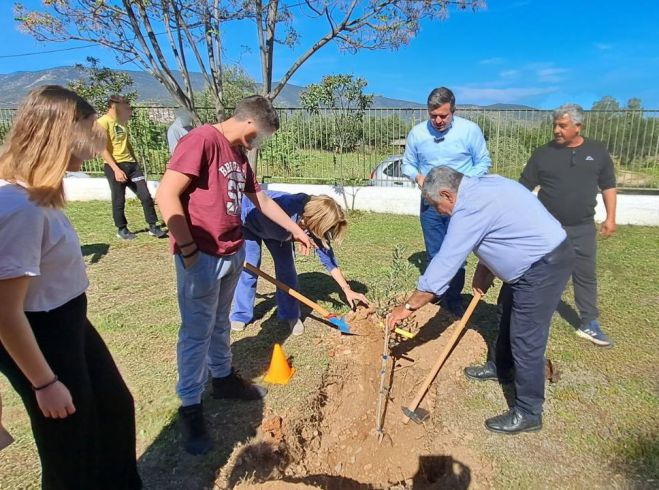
x,y
505,226
461,147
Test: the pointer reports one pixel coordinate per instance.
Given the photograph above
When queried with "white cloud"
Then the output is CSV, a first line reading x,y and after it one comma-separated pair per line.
x,y
509,74
484,96
551,75
491,61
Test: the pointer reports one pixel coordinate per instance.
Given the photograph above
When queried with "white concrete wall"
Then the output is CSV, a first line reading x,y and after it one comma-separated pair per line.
x,y
632,209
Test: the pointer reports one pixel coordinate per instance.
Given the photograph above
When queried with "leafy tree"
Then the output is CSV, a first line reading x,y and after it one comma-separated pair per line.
x,y
99,82
152,33
343,100
237,85
606,103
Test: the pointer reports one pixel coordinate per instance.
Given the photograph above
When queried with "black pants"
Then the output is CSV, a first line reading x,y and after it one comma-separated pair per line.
x,y
584,275
525,309
137,183
95,447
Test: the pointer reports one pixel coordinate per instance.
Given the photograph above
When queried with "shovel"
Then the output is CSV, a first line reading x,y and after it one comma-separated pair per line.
x,y
410,411
337,321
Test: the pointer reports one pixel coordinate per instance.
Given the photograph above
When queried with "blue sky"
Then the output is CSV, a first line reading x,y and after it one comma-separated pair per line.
x,y
535,52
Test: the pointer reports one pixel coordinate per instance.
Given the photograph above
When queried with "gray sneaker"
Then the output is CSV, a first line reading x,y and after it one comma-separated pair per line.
x,y
238,326
297,327
125,234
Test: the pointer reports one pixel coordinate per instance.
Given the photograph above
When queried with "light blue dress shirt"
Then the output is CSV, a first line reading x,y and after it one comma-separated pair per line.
x,y
505,226
462,148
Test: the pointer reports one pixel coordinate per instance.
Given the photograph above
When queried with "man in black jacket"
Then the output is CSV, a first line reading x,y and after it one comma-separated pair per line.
x,y
570,170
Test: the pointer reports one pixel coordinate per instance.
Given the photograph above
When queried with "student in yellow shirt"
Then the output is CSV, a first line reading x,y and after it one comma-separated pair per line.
x,y
122,170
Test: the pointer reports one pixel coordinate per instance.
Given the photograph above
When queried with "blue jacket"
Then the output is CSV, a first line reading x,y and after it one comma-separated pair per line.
x,y
293,205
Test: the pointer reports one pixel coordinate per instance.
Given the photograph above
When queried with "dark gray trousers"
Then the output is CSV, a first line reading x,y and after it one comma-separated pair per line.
x,y
584,275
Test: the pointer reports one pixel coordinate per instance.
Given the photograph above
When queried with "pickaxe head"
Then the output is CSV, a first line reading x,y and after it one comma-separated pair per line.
x,y
339,323
418,417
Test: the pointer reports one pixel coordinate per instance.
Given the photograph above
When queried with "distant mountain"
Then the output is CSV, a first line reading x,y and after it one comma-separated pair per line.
x,y
14,86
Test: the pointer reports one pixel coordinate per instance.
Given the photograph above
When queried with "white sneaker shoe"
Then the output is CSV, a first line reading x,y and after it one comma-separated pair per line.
x,y
238,326
296,326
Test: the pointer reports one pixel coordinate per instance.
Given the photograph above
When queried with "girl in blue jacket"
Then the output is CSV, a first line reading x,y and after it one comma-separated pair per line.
x,y
324,221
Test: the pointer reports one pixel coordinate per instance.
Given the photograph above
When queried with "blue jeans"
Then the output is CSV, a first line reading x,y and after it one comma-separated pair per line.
x,y
205,291
434,227
288,307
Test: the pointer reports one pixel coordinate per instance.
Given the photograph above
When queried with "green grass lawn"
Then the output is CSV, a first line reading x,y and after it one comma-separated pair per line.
x,y
602,420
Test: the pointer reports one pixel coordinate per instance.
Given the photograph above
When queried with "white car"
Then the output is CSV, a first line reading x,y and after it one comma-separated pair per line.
x,y
388,173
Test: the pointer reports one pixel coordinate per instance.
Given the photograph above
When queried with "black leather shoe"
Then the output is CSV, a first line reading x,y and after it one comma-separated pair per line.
x,y
487,372
513,422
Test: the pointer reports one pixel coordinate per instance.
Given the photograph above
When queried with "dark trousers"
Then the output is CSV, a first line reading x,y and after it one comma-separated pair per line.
x,y
95,447
434,228
584,275
137,183
525,309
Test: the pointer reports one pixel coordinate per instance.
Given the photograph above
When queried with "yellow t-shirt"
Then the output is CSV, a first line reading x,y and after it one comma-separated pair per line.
x,y
118,143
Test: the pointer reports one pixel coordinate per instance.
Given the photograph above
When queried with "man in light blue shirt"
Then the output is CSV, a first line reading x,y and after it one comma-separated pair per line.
x,y
454,142
518,241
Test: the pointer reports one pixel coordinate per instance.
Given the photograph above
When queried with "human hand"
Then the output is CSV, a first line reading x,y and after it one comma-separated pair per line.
x,y
482,280
55,401
120,176
398,314
305,245
608,228
420,179
355,298
192,260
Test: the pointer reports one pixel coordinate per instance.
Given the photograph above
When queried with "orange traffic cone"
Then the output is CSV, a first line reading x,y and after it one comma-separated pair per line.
x,y
279,371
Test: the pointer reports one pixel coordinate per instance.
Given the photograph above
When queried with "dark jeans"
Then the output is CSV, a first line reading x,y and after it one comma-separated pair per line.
x,y
95,447
525,309
584,275
137,183
434,228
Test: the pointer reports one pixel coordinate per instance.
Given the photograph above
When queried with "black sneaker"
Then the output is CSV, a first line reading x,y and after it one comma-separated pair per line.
x,y
125,234
156,231
235,387
196,440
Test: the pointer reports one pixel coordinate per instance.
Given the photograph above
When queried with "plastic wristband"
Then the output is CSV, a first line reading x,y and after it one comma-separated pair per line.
x,y
51,383
185,245
187,256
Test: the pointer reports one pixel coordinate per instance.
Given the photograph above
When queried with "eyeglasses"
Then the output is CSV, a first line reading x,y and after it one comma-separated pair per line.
x,y
439,139
573,161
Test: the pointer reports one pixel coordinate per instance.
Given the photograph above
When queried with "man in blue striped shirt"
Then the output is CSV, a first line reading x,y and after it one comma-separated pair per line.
x,y
451,141
518,241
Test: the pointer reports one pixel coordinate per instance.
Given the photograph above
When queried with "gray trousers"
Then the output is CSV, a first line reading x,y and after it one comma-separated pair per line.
x,y
584,274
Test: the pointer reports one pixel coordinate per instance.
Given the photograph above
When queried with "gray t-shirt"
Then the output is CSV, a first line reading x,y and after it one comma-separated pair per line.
x,y
39,242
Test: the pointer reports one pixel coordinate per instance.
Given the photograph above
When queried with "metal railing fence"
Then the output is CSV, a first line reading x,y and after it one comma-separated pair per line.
x,y
348,146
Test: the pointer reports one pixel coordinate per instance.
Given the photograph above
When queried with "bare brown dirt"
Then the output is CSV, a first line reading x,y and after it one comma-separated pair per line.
x,y
337,448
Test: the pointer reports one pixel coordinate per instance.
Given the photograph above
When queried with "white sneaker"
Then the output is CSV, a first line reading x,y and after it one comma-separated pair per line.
x,y
296,326
238,326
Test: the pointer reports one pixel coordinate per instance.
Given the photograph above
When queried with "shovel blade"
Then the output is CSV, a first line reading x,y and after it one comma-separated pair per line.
x,y
339,323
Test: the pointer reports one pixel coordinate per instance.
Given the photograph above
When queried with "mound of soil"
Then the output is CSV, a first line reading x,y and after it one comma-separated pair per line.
x,y
337,446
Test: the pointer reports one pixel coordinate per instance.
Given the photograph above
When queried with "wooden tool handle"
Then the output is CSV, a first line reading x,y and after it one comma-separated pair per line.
x,y
440,362
311,304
